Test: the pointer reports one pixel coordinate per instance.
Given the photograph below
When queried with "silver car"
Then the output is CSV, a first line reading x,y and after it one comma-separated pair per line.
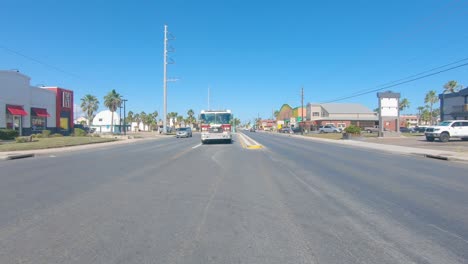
x,y
184,132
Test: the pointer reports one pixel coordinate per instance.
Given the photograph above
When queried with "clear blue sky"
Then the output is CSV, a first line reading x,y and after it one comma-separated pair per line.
x,y
255,55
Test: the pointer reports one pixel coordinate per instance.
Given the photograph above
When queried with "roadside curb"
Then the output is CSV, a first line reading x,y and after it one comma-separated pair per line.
x,y
10,155
17,156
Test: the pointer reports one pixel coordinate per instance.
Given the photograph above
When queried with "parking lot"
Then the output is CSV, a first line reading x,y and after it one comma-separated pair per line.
x,y
419,141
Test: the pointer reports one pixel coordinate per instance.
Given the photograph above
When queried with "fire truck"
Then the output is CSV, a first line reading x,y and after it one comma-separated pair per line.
x,y
215,125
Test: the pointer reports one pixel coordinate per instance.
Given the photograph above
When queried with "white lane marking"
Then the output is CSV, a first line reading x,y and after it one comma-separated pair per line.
x,y
194,147
52,156
448,232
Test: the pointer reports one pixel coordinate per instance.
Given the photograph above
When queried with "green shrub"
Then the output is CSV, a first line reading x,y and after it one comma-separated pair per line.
x,y
46,133
56,135
22,139
96,135
78,132
39,135
352,129
8,134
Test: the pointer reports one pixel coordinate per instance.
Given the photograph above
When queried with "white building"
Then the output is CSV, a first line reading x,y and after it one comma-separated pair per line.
x,y
23,107
81,119
102,122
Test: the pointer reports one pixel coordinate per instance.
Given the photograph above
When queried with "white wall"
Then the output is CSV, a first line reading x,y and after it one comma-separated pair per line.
x,y
14,90
42,98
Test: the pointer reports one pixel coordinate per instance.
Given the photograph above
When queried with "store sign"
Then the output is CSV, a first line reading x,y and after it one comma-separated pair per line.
x,y
66,100
389,107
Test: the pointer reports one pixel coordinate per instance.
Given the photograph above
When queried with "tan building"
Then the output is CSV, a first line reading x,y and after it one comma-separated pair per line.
x,y
340,115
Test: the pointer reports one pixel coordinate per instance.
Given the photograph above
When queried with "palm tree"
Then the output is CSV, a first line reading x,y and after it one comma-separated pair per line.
x,y
404,104
235,122
153,120
420,110
451,87
431,98
171,116
89,105
144,119
179,120
190,117
130,117
137,119
276,113
112,101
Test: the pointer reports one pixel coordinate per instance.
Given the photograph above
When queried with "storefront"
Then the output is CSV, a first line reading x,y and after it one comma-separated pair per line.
x,y
14,117
28,109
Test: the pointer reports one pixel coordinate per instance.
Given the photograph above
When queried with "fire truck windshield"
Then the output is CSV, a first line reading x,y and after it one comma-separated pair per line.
x,y
215,118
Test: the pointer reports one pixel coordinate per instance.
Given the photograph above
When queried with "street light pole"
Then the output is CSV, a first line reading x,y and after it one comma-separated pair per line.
x,y
125,124
120,119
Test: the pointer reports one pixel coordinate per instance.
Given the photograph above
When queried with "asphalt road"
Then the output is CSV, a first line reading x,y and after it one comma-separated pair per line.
x,y
175,201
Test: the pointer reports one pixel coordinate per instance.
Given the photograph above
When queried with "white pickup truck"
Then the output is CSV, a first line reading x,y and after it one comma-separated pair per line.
x,y
447,130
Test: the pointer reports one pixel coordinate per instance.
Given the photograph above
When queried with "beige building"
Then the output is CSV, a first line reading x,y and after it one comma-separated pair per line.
x,y
340,115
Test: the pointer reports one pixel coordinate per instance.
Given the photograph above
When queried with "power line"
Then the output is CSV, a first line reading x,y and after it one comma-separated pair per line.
x,y
401,79
397,84
40,62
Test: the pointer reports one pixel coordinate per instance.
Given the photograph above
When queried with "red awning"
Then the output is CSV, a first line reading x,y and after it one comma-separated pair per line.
x,y
16,110
41,112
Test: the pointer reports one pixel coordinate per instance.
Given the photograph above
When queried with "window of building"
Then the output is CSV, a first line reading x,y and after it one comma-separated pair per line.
x,y
66,100
9,121
315,114
38,123
324,114
341,125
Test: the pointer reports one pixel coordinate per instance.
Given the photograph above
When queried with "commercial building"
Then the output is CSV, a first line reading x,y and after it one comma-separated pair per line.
x,y
454,105
340,115
29,109
408,120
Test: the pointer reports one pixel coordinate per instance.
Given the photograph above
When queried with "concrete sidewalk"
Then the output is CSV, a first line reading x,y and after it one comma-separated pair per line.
x,y
31,153
425,152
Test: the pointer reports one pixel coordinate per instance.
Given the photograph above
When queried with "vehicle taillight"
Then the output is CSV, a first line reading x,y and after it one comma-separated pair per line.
x,y
226,127
205,128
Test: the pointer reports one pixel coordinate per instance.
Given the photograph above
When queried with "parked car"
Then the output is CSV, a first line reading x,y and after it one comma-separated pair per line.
x,y
329,129
87,129
371,129
448,129
296,130
407,130
286,130
420,129
252,129
184,132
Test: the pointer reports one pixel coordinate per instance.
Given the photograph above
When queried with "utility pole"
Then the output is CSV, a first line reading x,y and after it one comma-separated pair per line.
x,y
165,80
167,37
302,110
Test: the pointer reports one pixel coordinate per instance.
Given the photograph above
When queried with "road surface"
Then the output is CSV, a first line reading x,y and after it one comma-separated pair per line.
x,y
176,201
